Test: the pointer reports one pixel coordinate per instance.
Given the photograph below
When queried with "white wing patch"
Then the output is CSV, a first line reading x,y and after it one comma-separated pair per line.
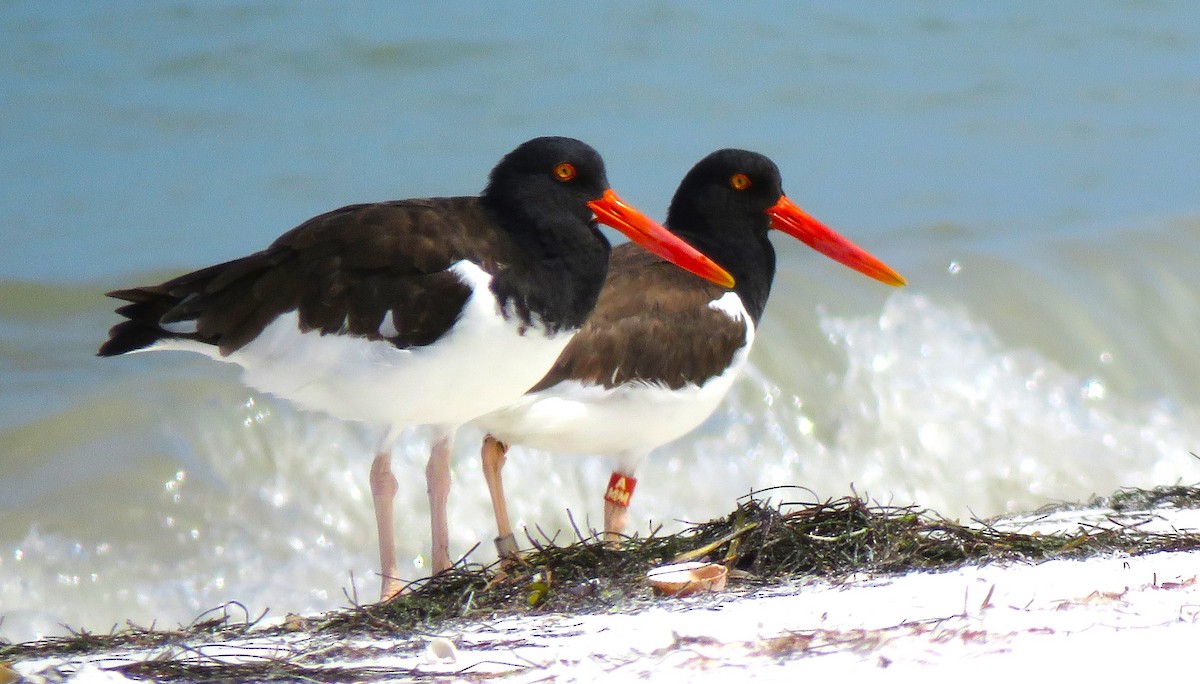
x,y
188,327
387,328
731,305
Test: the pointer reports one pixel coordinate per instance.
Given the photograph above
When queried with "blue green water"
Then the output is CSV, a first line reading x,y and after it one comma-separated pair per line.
x,y
1030,167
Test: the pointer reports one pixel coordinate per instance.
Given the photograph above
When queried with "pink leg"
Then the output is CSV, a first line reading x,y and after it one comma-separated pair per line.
x,y
383,492
615,519
437,482
493,455
616,505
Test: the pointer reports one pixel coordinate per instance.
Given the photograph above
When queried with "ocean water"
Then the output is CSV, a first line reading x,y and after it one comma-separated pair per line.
x,y
1030,167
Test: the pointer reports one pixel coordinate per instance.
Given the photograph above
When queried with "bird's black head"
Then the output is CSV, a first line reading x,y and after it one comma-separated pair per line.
x,y
721,208
726,189
548,175
730,200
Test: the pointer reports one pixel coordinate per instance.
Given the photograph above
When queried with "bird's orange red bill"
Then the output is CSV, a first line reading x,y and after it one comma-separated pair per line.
x,y
612,211
791,219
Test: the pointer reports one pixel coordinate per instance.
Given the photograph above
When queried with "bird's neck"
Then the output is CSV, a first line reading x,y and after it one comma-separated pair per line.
x,y
748,256
557,280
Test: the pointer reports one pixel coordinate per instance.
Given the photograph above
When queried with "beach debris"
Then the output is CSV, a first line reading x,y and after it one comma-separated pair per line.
x,y
294,623
684,579
762,542
440,650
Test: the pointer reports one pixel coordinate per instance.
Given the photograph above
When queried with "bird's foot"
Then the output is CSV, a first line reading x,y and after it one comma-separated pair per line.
x,y
506,547
391,588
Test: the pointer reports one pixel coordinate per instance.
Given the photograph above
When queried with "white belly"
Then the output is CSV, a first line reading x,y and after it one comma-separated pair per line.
x,y
483,363
572,417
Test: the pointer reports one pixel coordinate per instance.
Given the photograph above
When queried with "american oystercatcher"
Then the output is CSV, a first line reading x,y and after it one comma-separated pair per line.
x,y
662,347
411,312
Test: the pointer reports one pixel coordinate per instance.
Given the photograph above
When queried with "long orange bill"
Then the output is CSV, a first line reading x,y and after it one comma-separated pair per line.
x,y
612,211
794,221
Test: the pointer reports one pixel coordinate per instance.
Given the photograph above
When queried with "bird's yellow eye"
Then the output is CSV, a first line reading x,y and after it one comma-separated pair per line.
x,y
739,181
565,171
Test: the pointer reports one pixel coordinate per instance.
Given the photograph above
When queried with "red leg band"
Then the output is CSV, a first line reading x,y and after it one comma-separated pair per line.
x,y
620,489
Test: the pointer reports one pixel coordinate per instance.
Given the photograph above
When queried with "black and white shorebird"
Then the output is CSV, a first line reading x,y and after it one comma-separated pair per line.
x,y
411,312
662,347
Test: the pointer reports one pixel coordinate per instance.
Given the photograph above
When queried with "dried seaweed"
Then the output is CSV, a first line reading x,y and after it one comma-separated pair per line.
x,y
760,541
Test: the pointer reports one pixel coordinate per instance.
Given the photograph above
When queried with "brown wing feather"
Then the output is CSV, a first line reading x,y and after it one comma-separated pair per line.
x,y
652,324
342,271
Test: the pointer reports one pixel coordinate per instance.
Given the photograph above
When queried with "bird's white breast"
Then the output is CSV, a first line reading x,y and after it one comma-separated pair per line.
x,y
576,417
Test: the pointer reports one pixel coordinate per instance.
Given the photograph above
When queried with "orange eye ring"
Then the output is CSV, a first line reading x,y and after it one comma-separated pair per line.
x,y
565,172
739,181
